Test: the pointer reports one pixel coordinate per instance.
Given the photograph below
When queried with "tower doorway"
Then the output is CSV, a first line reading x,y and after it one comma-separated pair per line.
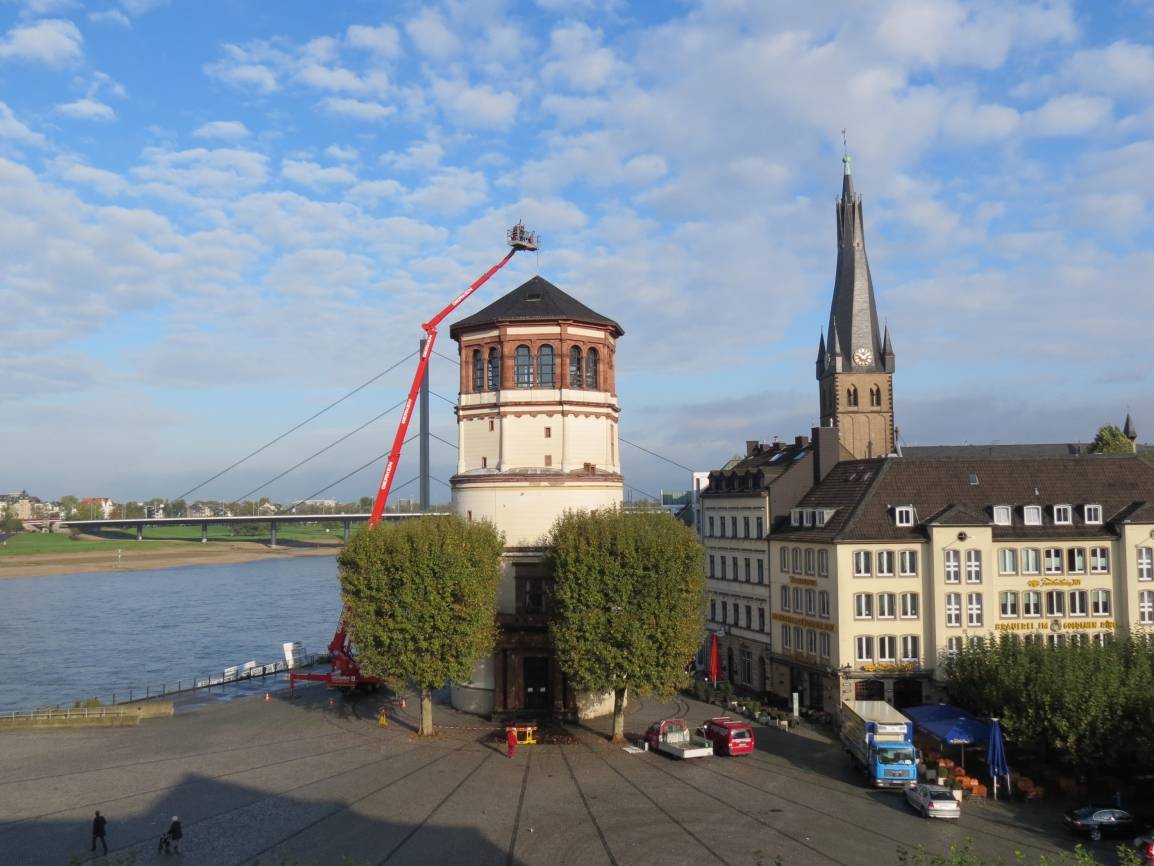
x,y
538,691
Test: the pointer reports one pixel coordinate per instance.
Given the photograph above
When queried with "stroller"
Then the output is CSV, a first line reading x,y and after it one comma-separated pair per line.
x,y
164,844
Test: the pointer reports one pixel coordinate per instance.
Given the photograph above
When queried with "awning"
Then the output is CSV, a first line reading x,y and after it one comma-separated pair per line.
x,y
949,724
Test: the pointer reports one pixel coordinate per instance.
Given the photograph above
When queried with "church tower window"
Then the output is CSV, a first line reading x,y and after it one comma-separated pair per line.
x,y
575,378
591,372
546,377
494,369
851,395
875,396
478,372
523,367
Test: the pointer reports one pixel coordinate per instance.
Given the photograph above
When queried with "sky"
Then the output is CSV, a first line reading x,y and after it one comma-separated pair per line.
x,y
216,218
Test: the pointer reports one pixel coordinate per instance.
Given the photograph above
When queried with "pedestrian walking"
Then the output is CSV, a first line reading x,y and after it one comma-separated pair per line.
x,y
175,834
383,717
510,742
99,823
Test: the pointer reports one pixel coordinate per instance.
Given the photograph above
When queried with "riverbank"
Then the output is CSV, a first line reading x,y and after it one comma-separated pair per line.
x,y
124,558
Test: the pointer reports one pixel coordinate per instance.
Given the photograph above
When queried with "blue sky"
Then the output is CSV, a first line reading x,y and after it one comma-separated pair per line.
x,y
215,218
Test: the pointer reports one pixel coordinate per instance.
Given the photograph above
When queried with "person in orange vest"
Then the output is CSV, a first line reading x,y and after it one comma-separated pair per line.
x,y
510,742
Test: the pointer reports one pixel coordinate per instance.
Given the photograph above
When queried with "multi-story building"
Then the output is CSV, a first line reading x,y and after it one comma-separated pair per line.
x,y
914,557
537,432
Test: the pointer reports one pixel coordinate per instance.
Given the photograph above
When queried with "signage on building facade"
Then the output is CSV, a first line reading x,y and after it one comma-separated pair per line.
x,y
1055,581
1055,625
803,581
807,623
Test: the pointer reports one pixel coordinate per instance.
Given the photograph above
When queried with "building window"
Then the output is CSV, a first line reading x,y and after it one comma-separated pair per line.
x,y
747,569
748,616
809,560
492,425
760,528
795,557
784,557
548,459
1146,607
908,563
904,515
733,526
875,396
953,646
523,367
1002,515
974,609
953,608
885,563
851,395
478,371
865,648
1031,603
823,563
786,640
1055,640
823,604
721,522
548,432
785,598
1007,561
1052,557
546,371
973,566
1055,603
722,560
1030,560
797,637
1032,515
1146,563
1063,515
863,606
909,605
746,665
761,571
484,462
887,648
494,369
1076,560
1078,602
575,378
725,611
819,517
797,596
1092,513
886,605
712,573
1100,602
825,642
811,602
795,517
861,563
1009,605
761,619
711,527
592,370
713,610
1099,560
736,576
736,614
811,641
911,648
745,527
953,566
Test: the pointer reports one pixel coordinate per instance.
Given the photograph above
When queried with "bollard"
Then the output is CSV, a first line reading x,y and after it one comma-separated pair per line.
x,y
178,683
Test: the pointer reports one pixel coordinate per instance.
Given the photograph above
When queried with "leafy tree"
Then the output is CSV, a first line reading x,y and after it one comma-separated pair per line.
x,y
9,522
964,855
628,603
421,601
365,504
68,505
1111,440
176,508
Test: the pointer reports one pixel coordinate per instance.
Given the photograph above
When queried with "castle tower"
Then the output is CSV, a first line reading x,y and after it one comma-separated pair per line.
x,y
537,434
855,363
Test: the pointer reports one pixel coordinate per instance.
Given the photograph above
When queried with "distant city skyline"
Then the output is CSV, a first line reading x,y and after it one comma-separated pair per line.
x,y
219,218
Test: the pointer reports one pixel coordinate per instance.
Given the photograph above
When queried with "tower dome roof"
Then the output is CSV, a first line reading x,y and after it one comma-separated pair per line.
x,y
534,301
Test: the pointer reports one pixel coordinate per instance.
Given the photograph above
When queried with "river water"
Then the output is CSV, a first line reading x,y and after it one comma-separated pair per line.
x,y
69,637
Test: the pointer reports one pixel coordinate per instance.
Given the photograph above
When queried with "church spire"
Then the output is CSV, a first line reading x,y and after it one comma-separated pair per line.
x,y
853,309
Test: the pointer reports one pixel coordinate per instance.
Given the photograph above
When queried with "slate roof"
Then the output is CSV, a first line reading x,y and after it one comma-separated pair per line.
x,y
973,452
537,300
943,491
766,463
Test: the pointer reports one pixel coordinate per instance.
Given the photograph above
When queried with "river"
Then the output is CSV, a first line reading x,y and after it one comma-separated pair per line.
x,y
69,637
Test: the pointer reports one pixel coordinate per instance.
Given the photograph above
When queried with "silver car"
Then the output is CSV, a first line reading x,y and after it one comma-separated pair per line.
x,y
934,801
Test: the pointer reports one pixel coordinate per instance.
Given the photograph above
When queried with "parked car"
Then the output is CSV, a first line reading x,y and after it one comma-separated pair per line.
x,y
1099,821
934,801
1145,846
729,736
672,737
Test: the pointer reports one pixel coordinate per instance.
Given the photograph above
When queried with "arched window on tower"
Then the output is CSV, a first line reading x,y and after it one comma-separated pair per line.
x,y
575,368
523,367
478,372
851,395
546,372
875,396
494,369
592,373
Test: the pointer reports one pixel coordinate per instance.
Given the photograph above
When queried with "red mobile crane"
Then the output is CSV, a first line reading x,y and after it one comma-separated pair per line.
x,y
344,672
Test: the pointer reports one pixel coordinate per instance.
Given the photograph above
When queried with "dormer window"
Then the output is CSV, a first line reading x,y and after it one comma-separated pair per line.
x,y
904,515
1032,515
795,517
1063,515
807,517
819,517
1092,513
1002,515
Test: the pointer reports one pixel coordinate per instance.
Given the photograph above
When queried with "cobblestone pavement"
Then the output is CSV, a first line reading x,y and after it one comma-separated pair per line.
x,y
314,780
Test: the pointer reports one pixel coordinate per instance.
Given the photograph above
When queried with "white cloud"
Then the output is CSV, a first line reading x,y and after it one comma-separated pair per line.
x,y
54,42
140,7
87,109
320,273
224,171
450,190
1069,114
106,182
383,41
580,61
966,121
432,36
1120,68
475,106
343,152
313,175
341,80
242,69
225,130
110,16
370,192
13,130
357,109
422,155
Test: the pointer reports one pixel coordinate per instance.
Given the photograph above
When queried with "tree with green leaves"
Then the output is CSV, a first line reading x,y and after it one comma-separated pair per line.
x,y
628,603
421,601
1111,440
68,505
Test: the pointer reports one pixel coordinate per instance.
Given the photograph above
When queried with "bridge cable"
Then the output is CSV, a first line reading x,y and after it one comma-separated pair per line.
x,y
456,361
439,397
642,492
313,417
360,468
655,454
452,445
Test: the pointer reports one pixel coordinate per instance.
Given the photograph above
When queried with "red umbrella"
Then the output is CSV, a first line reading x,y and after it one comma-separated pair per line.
x,y
714,668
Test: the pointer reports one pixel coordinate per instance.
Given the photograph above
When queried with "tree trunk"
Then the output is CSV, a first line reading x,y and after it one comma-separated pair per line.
x,y
619,715
426,713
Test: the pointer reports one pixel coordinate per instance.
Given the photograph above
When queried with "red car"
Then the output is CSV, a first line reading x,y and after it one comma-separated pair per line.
x,y
729,736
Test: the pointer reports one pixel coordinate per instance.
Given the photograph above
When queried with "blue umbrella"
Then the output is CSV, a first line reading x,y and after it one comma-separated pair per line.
x,y
996,755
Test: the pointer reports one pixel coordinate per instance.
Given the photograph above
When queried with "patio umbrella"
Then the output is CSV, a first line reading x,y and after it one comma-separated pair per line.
x,y
996,756
713,667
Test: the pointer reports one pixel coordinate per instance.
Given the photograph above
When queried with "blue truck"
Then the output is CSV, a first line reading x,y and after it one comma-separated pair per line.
x,y
879,739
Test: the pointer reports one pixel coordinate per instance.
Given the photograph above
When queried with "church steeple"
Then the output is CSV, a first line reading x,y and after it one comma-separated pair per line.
x,y
856,378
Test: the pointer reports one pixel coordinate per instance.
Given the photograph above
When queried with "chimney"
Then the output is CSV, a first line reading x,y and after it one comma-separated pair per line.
x,y
826,451
801,441
750,447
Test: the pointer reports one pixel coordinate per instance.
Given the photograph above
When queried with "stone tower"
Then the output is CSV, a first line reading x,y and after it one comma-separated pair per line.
x,y
855,361
537,433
